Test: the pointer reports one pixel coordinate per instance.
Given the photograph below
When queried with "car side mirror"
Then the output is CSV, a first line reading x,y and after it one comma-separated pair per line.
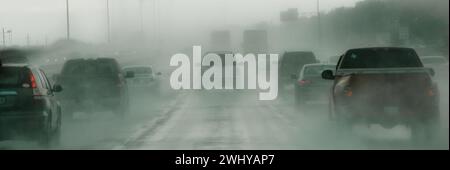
x,y
57,88
294,76
328,75
432,72
158,73
129,74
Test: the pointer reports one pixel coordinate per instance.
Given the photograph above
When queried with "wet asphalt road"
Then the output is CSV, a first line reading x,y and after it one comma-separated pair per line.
x,y
226,120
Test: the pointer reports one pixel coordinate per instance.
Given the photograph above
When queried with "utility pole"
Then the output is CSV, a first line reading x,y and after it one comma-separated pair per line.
x,y
10,36
67,15
108,21
158,22
3,33
141,15
319,30
155,21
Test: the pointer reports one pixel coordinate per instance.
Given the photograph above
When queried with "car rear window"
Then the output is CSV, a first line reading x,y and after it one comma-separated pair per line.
x,y
10,76
380,58
103,68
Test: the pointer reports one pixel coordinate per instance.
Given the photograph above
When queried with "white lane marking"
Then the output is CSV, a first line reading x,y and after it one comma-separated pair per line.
x,y
142,129
171,122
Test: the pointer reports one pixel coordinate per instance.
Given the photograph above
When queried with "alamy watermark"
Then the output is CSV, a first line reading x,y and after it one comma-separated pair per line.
x,y
216,72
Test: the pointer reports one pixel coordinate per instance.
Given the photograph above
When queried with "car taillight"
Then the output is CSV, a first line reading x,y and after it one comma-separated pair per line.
x,y
304,82
33,81
431,92
36,91
348,91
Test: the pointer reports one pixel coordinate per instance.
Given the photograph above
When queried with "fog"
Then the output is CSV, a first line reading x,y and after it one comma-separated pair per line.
x,y
140,33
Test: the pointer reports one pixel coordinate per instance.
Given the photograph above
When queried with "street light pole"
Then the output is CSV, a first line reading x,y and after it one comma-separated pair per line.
x,y
67,15
319,31
3,33
141,15
108,21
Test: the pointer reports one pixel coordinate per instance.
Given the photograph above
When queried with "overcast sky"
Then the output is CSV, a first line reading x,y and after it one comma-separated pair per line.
x,y
46,18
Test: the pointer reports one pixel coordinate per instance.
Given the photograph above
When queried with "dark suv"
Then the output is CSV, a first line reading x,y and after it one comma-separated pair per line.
x,y
28,107
93,85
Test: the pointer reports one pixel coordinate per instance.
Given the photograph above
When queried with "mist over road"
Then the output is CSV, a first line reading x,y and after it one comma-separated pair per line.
x,y
227,120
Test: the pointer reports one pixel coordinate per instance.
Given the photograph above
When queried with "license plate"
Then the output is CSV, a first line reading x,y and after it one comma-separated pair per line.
x,y
2,100
391,110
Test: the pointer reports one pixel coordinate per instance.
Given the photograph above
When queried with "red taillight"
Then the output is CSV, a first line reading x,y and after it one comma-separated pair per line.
x,y
33,81
304,82
36,92
348,92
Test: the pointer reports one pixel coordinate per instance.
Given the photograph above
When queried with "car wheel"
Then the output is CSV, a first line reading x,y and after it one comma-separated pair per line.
x,y
50,137
44,136
56,136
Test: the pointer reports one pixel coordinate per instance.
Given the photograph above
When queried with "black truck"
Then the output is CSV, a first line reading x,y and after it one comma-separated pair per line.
x,y
386,86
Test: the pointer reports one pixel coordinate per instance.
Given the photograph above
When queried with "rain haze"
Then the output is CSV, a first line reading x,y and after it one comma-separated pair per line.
x,y
88,18
349,74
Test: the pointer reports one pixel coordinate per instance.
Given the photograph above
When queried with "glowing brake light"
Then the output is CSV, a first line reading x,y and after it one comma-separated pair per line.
x,y
36,91
33,81
348,92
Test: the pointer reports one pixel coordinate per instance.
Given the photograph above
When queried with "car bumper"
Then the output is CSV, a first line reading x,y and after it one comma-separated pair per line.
x,y
387,115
